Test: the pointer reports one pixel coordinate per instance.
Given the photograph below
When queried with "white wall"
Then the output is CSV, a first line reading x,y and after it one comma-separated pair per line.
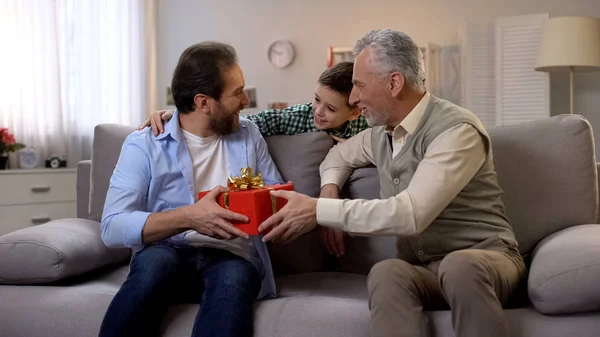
x,y
251,25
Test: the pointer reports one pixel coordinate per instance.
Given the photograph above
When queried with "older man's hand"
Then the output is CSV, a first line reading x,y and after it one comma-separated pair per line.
x,y
297,217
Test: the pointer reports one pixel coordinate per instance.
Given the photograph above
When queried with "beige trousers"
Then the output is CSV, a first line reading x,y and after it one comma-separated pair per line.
x,y
474,283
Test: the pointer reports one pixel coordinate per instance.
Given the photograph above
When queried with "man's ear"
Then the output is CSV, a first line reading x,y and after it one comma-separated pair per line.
x,y
396,84
354,113
201,102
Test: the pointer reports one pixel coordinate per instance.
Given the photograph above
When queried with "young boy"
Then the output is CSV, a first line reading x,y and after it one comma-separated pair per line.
x,y
329,111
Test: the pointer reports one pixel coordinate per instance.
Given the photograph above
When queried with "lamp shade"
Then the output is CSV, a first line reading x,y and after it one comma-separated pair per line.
x,y
570,41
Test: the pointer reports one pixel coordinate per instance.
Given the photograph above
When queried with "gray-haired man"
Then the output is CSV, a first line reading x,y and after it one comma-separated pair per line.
x,y
440,197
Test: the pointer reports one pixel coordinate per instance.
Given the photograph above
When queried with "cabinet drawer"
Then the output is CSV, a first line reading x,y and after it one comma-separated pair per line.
x,y
37,188
13,218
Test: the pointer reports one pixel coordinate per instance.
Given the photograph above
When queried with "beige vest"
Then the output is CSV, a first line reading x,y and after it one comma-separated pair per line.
x,y
477,214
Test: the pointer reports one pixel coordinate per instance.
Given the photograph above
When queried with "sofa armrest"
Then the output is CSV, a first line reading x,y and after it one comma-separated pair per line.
x,y
83,188
564,272
598,187
53,251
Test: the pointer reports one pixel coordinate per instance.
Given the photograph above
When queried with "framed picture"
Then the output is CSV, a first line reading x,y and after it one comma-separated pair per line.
x,y
170,99
251,94
336,55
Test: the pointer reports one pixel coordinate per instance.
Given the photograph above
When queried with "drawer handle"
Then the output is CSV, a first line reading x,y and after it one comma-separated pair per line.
x,y
39,219
40,189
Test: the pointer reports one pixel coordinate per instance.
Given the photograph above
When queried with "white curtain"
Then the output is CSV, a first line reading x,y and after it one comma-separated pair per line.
x,y
69,65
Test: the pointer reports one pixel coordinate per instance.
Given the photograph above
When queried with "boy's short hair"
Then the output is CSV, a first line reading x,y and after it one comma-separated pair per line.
x,y
338,78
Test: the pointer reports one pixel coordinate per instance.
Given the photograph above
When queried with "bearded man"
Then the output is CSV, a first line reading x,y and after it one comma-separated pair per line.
x,y
185,249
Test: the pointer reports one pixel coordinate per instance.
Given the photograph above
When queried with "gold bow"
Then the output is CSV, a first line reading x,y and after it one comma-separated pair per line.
x,y
246,181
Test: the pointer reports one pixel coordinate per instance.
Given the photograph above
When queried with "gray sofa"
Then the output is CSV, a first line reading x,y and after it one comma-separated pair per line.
x,y
59,279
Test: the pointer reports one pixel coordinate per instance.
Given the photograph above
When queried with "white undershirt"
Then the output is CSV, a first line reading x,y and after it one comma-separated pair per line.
x,y
209,162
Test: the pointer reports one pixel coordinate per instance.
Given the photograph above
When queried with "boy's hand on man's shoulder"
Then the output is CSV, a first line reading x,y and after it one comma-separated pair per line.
x,y
157,120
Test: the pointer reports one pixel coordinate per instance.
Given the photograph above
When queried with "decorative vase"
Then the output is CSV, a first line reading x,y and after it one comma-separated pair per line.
x,y
3,162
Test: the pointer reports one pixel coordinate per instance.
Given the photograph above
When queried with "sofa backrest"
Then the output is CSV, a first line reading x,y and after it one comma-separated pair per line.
x,y
598,175
547,169
106,148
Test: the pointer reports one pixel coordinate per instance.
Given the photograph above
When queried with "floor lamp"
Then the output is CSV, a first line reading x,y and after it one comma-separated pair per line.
x,y
570,43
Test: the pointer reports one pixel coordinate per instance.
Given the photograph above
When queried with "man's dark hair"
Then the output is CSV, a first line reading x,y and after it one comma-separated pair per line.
x,y
200,71
338,78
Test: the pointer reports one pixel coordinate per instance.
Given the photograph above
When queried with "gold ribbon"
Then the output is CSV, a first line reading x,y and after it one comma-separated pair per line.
x,y
226,200
246,181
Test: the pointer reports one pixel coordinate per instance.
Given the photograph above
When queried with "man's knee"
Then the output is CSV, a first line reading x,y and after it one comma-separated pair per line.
x,y
462,269
390,274
235,278
154,262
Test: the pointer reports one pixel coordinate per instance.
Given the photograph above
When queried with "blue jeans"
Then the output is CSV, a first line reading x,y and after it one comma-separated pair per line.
x,y
224,285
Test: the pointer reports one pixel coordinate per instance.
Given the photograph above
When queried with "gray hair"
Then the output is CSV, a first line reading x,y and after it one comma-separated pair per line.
x,y
394,51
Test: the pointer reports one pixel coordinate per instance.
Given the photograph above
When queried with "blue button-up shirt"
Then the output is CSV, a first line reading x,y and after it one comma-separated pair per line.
x,y
155,174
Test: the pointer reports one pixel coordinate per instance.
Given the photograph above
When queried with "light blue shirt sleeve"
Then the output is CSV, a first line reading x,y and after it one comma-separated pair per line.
x,y
122,218
264,162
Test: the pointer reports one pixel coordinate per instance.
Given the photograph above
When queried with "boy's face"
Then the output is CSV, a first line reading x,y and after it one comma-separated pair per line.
x,y
331,108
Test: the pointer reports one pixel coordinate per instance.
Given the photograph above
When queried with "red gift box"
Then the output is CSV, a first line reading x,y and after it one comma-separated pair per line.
x,y
253,200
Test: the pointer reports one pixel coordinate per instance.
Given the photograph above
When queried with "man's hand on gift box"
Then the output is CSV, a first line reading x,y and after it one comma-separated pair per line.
x,y
207,217
297,217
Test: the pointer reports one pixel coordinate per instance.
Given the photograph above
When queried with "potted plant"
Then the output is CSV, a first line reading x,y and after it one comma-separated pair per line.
x,y
7,145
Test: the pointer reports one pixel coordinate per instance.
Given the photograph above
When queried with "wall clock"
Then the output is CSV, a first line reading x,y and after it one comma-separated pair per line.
x,y
281,53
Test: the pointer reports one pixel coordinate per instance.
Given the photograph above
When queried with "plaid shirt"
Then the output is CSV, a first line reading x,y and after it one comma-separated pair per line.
x,y
300,118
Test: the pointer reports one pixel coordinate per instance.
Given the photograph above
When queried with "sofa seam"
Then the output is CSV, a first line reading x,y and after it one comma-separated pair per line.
x,y
278,317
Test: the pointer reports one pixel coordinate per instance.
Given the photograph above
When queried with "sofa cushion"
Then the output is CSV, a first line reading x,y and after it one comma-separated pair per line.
x,y
53,251
548,172
363,183
298,158
565,271
313,304
106,149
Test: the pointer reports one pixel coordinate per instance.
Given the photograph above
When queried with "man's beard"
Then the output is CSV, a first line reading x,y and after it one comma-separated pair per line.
x,y
224,123
376,119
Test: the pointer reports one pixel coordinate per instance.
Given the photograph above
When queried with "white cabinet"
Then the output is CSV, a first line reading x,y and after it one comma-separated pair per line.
x,y
34,197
